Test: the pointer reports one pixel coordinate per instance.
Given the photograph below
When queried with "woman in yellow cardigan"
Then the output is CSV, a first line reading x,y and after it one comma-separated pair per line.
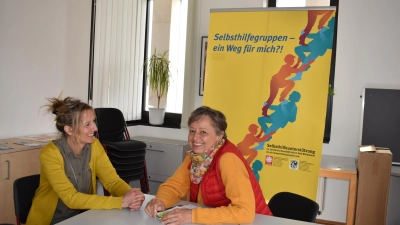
x,y
70,165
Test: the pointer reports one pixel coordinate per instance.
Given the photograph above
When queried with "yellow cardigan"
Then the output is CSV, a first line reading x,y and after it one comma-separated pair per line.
x,y
54,184
237,188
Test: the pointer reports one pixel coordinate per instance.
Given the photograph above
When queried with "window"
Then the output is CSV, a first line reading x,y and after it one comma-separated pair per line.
x,y
117,54
290,3
167,31
124,33
299,3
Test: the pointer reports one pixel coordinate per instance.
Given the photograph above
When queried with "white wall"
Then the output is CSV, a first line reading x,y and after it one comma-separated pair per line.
x,y
367,56
77,44
44,49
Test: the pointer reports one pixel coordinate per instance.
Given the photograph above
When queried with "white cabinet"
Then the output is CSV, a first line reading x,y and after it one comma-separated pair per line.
x,y
163,157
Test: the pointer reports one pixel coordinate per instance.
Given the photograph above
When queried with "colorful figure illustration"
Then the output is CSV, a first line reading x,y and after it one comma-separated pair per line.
x,y
249,140
320,43
284,113
312,17
257,166
279,81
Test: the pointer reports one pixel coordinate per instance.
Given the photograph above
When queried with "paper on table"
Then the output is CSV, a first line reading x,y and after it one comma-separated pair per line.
x,y
188,206
4,147
45,140
27,144
367,148
40,137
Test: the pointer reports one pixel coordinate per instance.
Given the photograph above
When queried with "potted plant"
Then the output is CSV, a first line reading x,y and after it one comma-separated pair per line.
x,y
158,73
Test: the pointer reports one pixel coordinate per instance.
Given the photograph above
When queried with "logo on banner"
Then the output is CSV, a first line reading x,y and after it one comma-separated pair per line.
x,y
294,164
268,160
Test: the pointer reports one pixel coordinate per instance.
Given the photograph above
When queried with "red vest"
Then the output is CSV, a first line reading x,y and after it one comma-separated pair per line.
x,y
213,189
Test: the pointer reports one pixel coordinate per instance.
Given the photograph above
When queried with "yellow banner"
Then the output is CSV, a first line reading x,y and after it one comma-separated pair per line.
x,y
268,72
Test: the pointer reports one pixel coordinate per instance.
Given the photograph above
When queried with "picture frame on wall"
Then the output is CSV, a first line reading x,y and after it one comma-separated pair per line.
x,y
204,43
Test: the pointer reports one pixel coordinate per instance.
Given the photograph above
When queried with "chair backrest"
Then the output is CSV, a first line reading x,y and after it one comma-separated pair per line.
x,y
127,156
293,206
111,125
24,191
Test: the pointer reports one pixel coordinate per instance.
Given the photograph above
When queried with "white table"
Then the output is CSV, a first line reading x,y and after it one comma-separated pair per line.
x,y
126,217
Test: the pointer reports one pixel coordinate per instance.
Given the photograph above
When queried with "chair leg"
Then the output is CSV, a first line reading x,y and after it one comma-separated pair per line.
x,y
144,181
144,187
18,221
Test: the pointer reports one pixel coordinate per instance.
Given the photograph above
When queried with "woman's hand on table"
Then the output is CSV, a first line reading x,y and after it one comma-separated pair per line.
x,y
153,206
133,199
177,217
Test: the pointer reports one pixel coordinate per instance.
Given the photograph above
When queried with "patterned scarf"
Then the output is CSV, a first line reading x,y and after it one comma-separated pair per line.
x,y
201,162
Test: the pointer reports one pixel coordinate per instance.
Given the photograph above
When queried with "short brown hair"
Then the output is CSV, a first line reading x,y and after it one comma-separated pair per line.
x,y
217,117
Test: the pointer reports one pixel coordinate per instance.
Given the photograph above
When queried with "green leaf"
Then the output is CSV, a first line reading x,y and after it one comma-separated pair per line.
x,y
158,73
330,90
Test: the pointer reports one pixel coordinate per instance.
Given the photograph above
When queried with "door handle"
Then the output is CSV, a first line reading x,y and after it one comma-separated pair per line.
x,y
153,150
8,169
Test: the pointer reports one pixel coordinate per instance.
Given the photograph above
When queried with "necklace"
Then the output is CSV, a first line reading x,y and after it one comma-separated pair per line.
x,y
73,172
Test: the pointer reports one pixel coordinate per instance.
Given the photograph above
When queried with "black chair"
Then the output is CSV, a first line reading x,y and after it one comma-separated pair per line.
x,y
127,156
24,191
293,206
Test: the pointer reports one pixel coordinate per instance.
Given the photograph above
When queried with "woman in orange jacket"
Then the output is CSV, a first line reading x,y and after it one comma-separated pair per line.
x,y
215,173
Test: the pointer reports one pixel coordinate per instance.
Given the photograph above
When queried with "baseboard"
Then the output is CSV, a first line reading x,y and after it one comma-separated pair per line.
x,y
328,222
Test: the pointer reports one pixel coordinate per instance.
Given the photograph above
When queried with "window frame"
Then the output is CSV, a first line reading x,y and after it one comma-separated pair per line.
x,y
171,120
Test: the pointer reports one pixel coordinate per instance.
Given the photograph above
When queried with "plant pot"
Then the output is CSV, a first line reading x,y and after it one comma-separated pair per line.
x,y
156,116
